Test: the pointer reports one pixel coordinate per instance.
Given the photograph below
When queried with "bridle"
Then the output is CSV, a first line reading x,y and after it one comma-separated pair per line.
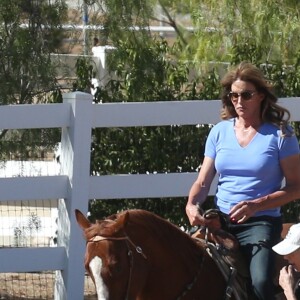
x,y
138,249
129,242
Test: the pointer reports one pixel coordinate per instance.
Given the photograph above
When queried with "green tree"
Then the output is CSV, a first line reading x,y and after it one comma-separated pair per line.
x,y
30,32
224,31
257,31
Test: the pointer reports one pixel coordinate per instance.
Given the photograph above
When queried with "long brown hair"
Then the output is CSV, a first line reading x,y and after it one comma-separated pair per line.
x,y
271,112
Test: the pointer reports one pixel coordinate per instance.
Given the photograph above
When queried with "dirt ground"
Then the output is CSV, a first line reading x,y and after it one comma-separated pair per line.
x,y
35,286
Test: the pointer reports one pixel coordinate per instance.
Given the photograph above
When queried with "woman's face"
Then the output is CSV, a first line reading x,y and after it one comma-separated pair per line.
x,y
246,99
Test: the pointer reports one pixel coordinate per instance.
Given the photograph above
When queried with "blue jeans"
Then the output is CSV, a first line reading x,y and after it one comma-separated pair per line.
x,y
256,237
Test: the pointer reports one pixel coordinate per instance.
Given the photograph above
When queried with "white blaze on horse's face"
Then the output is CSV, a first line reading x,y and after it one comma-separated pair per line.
x,y
95,267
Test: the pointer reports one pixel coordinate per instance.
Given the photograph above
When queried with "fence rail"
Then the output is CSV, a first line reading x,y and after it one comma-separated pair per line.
x,y
77,115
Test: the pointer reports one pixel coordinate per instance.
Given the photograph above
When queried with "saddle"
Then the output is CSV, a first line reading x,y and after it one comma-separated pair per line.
x,y
223,248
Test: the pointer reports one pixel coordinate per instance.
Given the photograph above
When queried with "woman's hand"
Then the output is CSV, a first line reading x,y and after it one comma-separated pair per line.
x,y
197,217
242,211
287,282
194,215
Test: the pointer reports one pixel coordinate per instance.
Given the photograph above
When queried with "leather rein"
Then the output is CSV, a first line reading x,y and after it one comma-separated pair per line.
x,y
138,249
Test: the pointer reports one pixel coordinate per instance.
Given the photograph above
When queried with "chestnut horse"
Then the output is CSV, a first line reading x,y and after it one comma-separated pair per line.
x,y
138,255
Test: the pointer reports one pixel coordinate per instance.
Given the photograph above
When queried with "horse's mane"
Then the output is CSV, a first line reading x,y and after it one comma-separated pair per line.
x,y
138,218
164,231
156,224
150,224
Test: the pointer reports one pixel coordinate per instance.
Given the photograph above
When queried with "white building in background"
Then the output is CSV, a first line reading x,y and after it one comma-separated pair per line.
x,y
28,223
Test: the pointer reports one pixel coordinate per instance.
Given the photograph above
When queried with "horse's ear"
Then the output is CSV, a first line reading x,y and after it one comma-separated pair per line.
x,y
82,221
121,221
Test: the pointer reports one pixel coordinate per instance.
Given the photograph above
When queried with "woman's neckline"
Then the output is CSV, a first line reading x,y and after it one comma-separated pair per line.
x,y
242,128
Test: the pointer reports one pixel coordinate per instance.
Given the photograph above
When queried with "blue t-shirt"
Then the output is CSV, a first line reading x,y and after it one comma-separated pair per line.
x,y
247,173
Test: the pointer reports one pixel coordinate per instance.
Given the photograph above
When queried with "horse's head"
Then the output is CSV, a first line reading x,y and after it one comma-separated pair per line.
x,y
109,257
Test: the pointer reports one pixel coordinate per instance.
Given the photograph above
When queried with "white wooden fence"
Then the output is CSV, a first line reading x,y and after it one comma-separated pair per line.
x,y
77,115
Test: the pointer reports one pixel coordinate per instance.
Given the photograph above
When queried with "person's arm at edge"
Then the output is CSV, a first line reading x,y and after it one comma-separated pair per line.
x,y
199,191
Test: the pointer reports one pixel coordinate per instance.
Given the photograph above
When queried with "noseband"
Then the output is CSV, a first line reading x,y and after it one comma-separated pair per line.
x,y
138,249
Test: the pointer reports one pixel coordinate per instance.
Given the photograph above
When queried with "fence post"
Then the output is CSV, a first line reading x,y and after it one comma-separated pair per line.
x,y
75,163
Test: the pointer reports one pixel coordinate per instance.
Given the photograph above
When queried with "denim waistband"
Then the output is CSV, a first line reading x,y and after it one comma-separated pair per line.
x,y
269,219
